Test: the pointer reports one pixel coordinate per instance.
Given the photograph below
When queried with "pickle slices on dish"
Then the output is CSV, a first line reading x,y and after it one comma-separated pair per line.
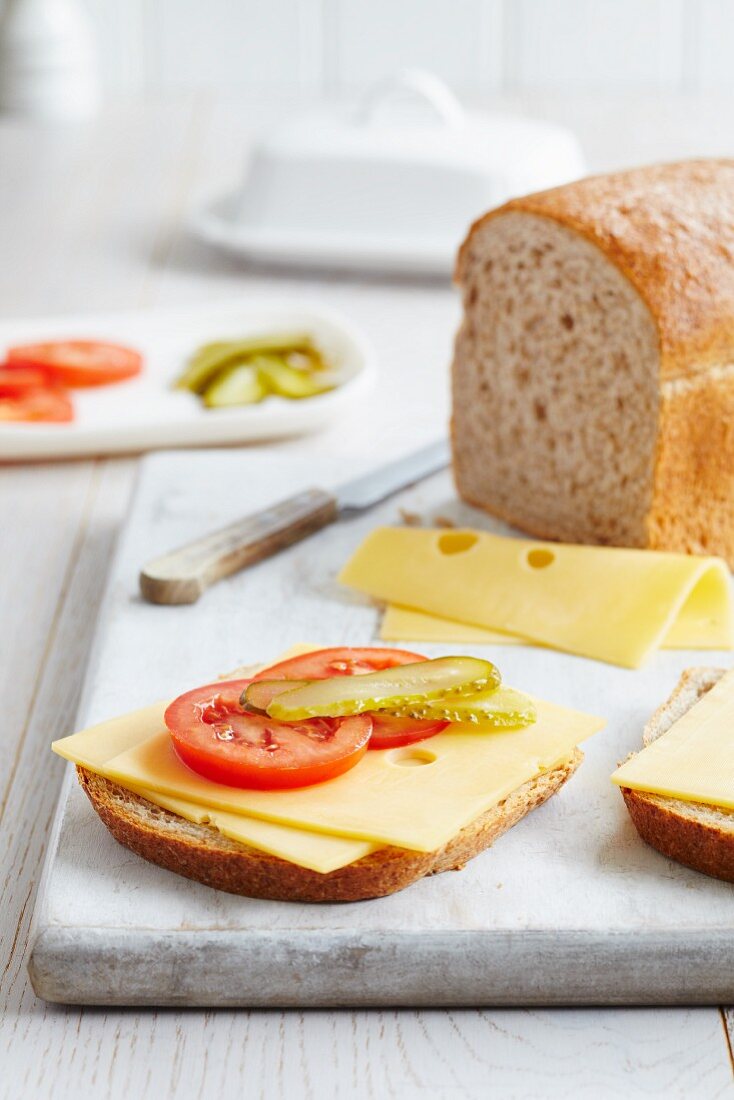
x,y
226,373
237,385
209,359
503,708
400,686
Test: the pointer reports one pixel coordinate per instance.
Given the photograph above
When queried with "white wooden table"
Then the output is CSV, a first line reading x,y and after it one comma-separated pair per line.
x,y
92,218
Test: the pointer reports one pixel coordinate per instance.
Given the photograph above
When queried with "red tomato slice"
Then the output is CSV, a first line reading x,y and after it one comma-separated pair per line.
x,y
215,737
387,732
391,733
321,664
80,362
15,380
47,404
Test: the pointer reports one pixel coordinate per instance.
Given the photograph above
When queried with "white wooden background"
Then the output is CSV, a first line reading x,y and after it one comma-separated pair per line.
x,y
93,218
479,45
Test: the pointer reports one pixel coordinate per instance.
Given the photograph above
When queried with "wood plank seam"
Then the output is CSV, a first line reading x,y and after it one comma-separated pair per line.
x,y
89,498
727,1020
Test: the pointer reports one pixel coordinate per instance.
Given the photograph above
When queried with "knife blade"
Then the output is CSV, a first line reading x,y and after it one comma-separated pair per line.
x,y
181,576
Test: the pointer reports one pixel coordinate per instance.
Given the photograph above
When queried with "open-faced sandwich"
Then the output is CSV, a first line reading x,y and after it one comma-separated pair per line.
x,y
331,775
679,789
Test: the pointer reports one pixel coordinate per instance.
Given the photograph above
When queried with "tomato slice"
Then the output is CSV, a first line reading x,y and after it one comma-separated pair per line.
x,y
391,733
80,362
321,664
47,404
387,732
15,380
215,737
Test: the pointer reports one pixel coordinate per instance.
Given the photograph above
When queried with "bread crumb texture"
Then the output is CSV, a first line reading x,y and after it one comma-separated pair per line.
x,y
593,377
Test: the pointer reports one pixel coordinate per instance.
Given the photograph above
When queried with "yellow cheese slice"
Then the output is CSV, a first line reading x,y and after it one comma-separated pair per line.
x,y
404,624
694,759
316,851
414,797
94,747
615,605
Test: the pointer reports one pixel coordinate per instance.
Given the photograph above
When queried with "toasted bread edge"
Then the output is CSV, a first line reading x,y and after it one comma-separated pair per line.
x,y
692,833
201,853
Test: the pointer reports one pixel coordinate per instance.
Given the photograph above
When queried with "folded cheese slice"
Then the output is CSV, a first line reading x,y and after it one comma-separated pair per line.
x,y
612,604
404,624
694,759
93,748
416,797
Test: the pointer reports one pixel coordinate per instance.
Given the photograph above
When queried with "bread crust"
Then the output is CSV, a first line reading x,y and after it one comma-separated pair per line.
x,y
692,507
691,833
201,853
681,836
669,228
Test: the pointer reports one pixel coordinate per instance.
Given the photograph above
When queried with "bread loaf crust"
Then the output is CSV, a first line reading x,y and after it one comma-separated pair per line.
x,y
670,229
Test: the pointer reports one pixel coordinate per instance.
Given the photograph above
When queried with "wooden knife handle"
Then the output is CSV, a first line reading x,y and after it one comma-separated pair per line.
x,y
182,576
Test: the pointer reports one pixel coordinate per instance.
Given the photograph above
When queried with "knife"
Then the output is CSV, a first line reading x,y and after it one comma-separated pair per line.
x,y
182,576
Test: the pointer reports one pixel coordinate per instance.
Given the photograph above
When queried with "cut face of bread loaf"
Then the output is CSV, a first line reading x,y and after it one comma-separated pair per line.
x,y
593,379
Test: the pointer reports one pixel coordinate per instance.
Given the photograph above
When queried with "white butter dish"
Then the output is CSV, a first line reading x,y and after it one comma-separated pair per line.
x,y
390,186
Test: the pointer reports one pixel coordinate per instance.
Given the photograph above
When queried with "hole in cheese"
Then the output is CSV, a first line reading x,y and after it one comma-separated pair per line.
x,y
456,542
411,758
540,558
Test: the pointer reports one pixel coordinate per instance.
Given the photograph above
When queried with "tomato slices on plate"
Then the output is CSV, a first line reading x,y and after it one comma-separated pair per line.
x,y
18,380
43,403
217,738
321,664
79,363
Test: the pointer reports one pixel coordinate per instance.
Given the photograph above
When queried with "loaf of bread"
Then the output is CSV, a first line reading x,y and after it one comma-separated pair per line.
x,y
593,378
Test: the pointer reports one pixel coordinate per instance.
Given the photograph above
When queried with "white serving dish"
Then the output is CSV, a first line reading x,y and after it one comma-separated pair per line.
x,y
146,413
388,186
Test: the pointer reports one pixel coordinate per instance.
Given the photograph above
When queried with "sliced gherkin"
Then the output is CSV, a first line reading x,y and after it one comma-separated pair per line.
x,y
237,385
260,694
209,359
287,381
503,708
385,690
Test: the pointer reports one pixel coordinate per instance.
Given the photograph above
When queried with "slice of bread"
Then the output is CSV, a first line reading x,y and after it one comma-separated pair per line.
x,y
693,833
202,853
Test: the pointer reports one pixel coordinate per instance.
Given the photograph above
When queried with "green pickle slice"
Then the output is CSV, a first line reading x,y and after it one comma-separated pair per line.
x,y
206,363
260,694
238,385
503,708
287,381
385,690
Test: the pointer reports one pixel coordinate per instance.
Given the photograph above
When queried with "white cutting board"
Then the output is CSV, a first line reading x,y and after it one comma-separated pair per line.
x,y
569,907
147,413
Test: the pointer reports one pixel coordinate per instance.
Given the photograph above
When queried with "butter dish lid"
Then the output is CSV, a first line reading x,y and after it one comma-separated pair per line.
x,y
392,184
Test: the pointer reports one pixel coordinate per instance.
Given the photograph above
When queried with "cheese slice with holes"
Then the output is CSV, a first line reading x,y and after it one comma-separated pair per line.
x,y
694,759
612,604
403,624
416,797
94,747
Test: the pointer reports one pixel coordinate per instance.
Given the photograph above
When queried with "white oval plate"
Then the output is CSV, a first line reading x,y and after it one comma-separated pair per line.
x,y
424,254
146,413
